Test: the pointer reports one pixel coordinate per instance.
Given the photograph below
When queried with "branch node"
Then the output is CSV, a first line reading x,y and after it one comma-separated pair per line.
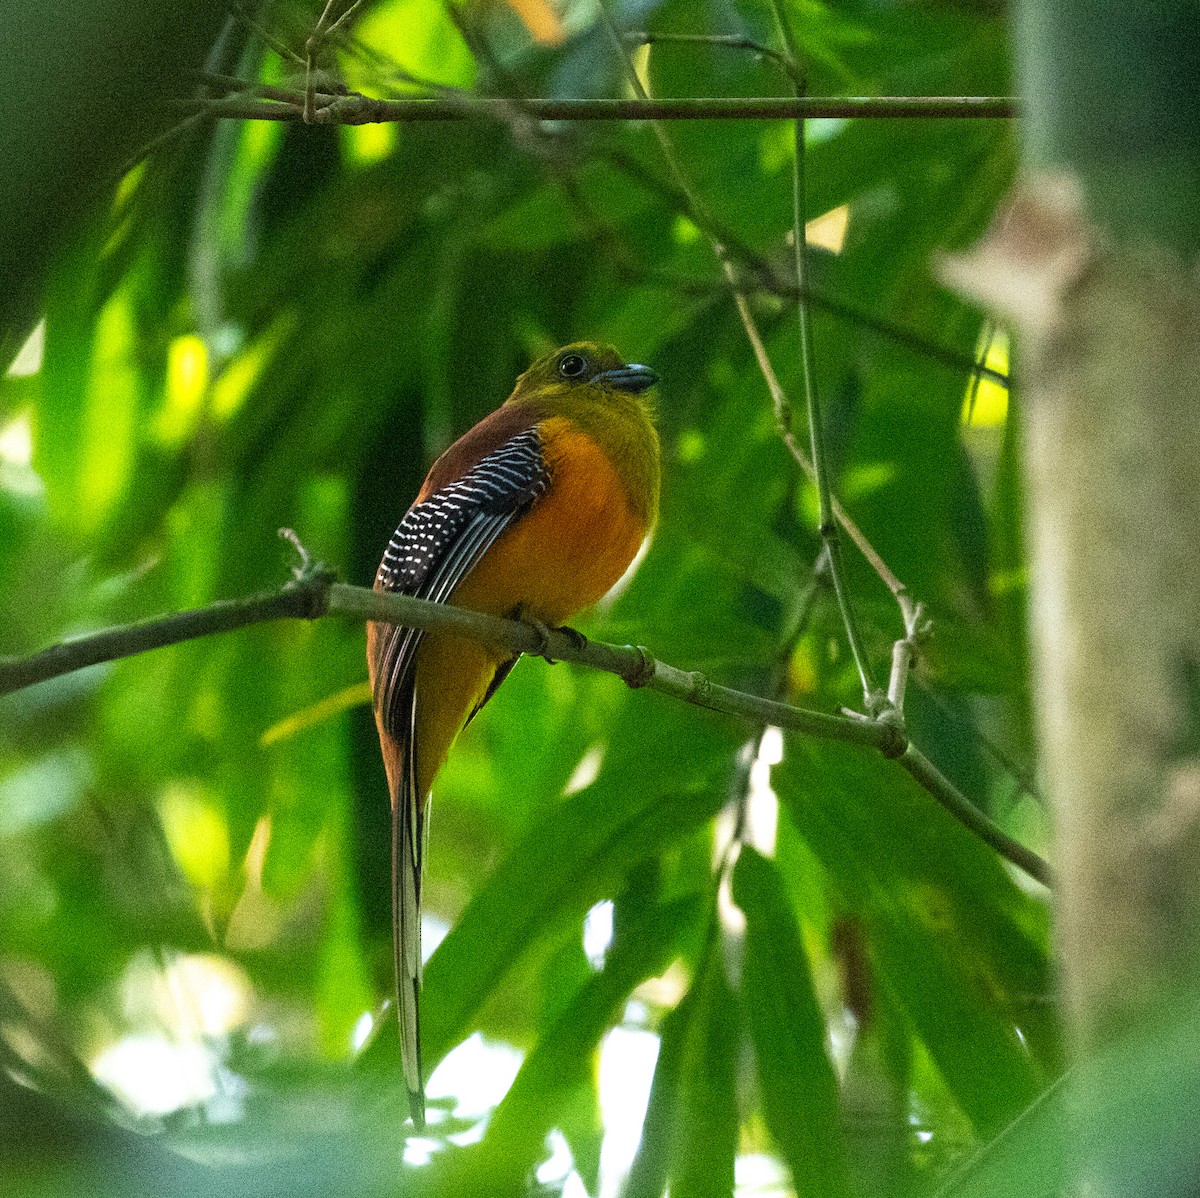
x,y
896,744
542,632
306,561
311,579
643,673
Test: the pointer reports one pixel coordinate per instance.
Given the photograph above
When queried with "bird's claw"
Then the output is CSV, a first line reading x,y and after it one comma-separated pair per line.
x,y
577,639
543,635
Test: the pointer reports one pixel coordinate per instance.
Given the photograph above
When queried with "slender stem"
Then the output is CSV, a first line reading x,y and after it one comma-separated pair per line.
x,y
981,356
976,368
297,600
766,283
284,51
176,131
342,19
731,41
635,664
934,782
777,687
1021,774
356,109
816,426
313,594
232,85
780,400
703,221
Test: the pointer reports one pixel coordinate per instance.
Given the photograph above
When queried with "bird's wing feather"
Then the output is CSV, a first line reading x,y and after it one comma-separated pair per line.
x,y
437,544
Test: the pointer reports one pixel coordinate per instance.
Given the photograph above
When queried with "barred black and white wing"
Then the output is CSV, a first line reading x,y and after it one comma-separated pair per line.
x,y
435,547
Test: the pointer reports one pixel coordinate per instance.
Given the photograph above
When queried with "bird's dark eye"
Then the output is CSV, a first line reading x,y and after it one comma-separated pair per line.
x,y
571,366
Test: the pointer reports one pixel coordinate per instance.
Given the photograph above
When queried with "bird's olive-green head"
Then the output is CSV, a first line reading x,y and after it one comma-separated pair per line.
x,y
585,369
589,384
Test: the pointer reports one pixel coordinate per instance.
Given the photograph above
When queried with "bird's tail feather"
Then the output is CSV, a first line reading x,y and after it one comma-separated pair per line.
x,y
407,862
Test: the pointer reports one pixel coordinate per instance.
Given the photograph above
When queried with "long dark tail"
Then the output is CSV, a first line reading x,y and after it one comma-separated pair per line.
x,y
407,862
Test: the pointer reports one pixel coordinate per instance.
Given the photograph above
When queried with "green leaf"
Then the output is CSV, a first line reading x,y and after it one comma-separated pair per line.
x,y
657,786
787,1028
961,947
706,1136
690,1135
564,1056
1027,1157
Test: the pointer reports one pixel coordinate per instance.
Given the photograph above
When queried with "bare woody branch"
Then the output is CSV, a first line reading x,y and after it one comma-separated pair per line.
x,y
314,594
355,109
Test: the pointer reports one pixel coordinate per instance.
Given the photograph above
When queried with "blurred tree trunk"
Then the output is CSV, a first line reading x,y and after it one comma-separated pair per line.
x,y
1095,266
87,84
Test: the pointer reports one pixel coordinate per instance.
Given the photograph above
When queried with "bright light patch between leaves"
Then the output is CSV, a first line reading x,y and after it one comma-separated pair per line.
x,y
364,145
152,1075
110,414
556,1169
684,231
235,383
16,442
195,832
29,358
986,403
364,1025
475,1076
39,791
586,771
627,1059
640,60
828,231
177,1016
417,36
598,932
760,824
202,996
757,1175
187,381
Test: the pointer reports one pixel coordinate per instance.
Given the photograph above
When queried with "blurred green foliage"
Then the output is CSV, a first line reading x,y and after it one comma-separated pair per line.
x,y
264,325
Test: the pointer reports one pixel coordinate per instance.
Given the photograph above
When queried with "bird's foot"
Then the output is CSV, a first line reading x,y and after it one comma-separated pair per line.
x,y
543,635
577,639
543,631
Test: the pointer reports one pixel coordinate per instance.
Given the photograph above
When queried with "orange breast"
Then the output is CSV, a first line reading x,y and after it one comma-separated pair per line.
x,y
558,559
571,548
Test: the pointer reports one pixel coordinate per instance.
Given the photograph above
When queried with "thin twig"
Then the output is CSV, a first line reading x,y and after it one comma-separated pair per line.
x,y
778,396
973,367
941,788
385,66
703,220
284,51
777,687
904,657
302,599
827,524
354,109
174,133
312,594
322,32
233,86
1021,774
981,356
732,41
